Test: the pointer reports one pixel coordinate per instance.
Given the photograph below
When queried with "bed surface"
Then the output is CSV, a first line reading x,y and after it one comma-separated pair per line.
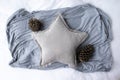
x,y
111,7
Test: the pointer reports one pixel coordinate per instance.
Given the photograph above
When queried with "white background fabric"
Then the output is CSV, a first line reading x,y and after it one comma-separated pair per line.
x,y
7,7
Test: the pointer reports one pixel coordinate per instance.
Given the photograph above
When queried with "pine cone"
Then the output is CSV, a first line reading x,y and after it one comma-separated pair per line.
x,y
85,53
35,24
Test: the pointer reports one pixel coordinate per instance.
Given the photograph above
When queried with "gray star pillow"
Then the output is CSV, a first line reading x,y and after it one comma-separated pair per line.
x,y
58,43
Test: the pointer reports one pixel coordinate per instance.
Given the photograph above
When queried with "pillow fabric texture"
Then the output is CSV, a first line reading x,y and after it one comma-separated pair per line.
x,y
59,43
26,52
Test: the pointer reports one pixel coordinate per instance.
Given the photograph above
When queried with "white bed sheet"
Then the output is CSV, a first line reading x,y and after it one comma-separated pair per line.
x,y
7,7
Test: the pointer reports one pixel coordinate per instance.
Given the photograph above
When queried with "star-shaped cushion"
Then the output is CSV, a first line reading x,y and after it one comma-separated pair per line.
x,y
58,43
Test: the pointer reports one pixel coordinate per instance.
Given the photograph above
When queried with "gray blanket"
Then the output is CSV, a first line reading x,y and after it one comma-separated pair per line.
x,y
26,53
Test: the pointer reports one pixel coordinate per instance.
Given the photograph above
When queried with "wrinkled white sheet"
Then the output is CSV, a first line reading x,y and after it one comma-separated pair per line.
x,y
7,7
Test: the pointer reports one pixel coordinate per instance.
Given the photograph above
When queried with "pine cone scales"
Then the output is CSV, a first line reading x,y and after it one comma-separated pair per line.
x,y
85,53
35,24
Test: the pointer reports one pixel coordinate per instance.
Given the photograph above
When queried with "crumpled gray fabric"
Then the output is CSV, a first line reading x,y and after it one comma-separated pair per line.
x,y
26,52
